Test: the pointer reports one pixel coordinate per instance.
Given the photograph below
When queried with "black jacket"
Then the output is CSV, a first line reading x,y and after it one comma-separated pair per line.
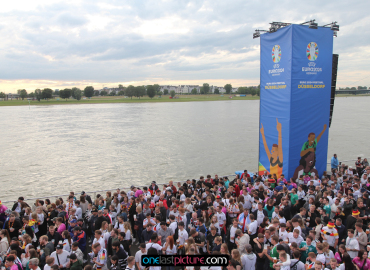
x,y
146,235
99,221
287,212
122,258
17,225
56,236
109,246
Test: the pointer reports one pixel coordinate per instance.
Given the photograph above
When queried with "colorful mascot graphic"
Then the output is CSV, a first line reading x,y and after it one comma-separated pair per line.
x,y
276,155
308,155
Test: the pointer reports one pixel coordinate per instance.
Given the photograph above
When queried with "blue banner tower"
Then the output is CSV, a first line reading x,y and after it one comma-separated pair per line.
x,y
296,68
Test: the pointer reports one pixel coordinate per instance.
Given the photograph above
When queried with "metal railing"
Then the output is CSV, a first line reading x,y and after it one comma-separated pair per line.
x,y
95,192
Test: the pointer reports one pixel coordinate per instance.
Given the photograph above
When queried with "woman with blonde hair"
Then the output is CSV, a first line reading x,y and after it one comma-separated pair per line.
x,y
224,249
190,242
34,222
27,242
105,231
127,228
236,256
214,222
43,228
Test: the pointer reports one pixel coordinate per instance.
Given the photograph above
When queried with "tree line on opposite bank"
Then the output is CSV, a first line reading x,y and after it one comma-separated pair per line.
x,y
130,91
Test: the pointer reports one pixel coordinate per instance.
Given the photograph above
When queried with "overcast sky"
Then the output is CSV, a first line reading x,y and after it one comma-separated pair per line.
x,y
59,44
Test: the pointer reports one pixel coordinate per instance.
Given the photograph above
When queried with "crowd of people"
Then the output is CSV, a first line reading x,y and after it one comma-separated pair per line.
x,y
260,221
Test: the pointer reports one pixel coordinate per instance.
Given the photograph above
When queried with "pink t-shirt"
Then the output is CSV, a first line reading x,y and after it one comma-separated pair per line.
x,y
61,228
359,263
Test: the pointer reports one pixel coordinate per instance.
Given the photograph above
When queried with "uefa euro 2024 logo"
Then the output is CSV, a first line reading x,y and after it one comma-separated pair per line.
x,y
276,53
312,51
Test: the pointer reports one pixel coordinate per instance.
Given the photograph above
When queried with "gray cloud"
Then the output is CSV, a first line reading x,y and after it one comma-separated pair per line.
x,y
112,40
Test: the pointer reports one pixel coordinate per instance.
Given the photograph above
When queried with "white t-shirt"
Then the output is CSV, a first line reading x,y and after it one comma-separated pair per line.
x,y
221,217
253,227
153,245
66,245
260,217
232,234
321,258
352,243
297,240
101,242
283,235
183,236
138,258
174,213
120,227
173,226
171,251
128,235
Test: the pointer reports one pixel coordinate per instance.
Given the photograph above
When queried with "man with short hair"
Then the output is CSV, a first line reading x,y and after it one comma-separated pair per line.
x,y
13,225
199,240
54,236
242,240
121,254
47,248
99,256
163,232
334,163
352,245
147,233
80,237
139,253
76,250
60,257
74,262
252,227
295,237
99,238
248,258
258,248
361,236
112,238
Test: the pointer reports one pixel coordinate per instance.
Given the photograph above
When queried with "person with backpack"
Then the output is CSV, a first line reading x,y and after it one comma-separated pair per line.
x,y
295,263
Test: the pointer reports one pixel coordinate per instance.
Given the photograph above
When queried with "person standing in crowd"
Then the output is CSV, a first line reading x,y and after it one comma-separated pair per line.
x,y
334,163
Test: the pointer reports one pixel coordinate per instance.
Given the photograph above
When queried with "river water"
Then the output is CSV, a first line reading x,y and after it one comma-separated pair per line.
x,y
48,150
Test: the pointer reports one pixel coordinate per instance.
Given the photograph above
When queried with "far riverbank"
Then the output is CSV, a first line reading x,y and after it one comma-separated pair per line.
x,y
145,99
